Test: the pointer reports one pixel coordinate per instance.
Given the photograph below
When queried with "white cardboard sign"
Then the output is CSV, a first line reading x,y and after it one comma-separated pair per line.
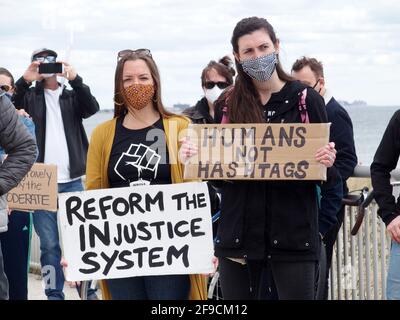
x,y
136,231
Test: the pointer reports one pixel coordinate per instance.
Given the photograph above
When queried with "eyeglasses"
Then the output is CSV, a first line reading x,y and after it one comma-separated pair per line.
x,y
5,87
220,84
316,84
127,52
48,59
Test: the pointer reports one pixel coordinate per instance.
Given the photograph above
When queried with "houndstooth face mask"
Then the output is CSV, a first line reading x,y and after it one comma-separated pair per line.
x,y
262,68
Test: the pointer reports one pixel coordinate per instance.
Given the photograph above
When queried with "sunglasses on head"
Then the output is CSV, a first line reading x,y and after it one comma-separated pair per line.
x,y
127,52
220,84
49,59
5,87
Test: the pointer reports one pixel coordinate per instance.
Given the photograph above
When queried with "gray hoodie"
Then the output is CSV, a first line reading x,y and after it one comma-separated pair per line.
x,y
21,149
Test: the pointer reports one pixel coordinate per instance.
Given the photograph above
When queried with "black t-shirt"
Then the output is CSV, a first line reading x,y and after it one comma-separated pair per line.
x,y
275,103
139,157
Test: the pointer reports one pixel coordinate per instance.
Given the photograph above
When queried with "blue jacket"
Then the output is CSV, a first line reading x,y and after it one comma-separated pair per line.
x,y
31,128
341,133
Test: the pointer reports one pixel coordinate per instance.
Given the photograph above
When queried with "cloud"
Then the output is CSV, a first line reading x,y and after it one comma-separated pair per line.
x,y
356,40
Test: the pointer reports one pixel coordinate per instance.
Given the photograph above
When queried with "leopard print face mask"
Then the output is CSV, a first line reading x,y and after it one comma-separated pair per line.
x,y
138,95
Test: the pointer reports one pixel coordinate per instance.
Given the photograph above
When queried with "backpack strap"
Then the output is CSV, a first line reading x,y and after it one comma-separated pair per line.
x,y
225,118
303,106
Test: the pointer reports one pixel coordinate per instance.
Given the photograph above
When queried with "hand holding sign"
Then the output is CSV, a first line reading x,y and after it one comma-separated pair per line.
x,y
326,155
188,149
287,151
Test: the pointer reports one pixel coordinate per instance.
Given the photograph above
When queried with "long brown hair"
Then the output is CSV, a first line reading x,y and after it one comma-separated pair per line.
x,y
244,104
224,67
120,108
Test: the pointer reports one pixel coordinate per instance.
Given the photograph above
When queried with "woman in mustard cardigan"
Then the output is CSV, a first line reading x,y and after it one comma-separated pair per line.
x,y
139,146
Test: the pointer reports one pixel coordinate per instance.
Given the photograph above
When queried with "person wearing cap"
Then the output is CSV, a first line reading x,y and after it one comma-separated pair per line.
x,y
57,113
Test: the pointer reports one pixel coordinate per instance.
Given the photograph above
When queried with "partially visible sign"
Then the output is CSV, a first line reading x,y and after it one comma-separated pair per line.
x,y
37,190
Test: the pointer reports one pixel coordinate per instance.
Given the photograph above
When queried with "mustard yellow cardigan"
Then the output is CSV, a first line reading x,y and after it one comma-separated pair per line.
x,y
97,178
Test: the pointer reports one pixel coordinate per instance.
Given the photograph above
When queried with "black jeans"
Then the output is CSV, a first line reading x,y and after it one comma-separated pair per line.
x,y
257,279
3,279
15,247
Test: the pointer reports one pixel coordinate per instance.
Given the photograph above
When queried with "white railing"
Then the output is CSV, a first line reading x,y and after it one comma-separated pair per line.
x,y
359,263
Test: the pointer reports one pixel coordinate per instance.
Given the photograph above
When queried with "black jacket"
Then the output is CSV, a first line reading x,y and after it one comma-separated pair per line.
x,y
274,219
76,104
332,192
200,113
385,160
341,133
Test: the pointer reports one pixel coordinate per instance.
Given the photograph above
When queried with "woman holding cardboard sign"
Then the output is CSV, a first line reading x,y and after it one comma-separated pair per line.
x,y
268,230
139,146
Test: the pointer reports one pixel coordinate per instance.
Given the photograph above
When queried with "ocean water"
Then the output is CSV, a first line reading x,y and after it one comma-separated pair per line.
x,y
369,124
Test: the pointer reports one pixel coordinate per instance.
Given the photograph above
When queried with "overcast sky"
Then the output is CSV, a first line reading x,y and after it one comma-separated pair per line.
x,y
358,41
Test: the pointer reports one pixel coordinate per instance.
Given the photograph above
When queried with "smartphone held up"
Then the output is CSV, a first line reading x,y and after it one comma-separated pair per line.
x,y
55,67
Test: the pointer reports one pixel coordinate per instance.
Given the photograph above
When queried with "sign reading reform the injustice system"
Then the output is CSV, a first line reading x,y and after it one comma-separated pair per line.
x,y
136,231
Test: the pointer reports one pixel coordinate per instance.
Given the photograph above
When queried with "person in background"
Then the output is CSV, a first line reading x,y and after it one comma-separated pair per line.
x,y
21,150
385,160
140,118
15,243
57,113
310,71
215,78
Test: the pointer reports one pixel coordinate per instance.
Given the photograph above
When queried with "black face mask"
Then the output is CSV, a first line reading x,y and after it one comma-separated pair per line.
x,y
319,91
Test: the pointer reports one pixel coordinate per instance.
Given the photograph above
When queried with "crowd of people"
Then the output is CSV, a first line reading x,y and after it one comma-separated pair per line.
x,y
272,236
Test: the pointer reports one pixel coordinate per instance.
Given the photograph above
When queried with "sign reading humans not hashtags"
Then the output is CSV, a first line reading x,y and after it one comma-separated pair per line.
x,y
125,232
257,151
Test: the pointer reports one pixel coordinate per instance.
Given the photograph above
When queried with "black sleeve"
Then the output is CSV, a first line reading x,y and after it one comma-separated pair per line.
x,y
87,104
385,160
18,144
342,135
214,198
316,107
331,202
22,88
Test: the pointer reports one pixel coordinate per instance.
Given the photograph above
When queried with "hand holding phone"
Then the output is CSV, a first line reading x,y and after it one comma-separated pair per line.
x,y
69,72
31,74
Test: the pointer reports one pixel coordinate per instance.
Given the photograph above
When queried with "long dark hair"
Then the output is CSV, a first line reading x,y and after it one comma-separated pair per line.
x,y
244,104
120,108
